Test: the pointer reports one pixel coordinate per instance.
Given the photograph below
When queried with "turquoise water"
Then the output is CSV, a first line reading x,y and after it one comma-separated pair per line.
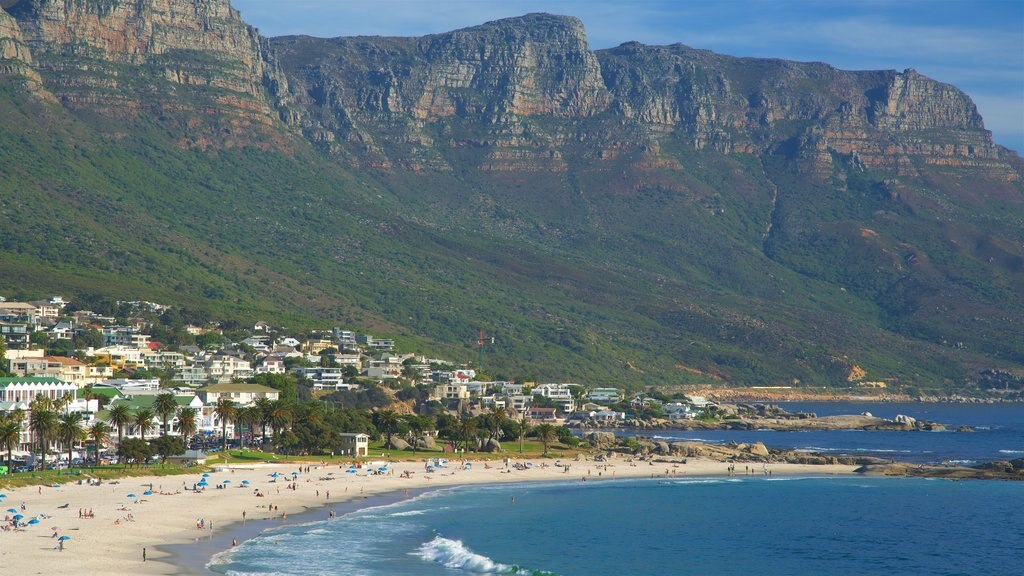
x,y
742,526
998,433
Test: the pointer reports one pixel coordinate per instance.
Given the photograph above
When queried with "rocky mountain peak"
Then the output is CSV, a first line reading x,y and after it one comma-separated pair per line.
x,y
163,57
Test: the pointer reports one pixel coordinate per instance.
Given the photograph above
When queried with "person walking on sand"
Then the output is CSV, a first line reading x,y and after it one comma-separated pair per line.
x,y
143,554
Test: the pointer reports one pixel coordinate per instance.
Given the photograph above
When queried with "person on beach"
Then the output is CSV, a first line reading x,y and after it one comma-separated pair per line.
x,y
143,554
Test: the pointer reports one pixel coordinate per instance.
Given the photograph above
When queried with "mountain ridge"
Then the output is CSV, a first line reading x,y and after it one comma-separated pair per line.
x,y
640,214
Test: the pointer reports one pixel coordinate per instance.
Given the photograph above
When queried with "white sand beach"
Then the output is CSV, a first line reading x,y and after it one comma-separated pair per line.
x,y
111,541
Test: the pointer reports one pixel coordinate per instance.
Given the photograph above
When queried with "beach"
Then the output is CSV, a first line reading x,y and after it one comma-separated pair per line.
x,y
110,539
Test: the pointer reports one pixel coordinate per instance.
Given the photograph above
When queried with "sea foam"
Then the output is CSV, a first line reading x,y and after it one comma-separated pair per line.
x,y
453,554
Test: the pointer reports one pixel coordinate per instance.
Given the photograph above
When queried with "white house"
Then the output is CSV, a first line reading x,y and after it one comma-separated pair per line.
x,y
241,394
357,444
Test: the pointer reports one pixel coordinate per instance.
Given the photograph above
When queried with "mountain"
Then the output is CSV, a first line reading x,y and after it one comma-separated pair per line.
x,y
642,215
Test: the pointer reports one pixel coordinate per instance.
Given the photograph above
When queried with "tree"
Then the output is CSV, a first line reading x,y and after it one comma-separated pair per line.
x,y
281,412
386,421
265,406
524,429
166,446
69,427
467,430
10,437
165,406
143,420
134,450
249,417
3,356
120,416
43,423
100,433
187,422
91,338
225,410
547,434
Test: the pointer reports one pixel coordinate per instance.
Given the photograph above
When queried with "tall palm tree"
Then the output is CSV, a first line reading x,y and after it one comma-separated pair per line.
x,y
498,417
120,416
100,433
69,428
225,410
467,429
547,434
249,417
524,429
10,437
43,423
187,422
165,406
143,420
265,406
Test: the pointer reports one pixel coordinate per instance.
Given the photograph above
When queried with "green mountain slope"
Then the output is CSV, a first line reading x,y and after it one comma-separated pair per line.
x,y
637,216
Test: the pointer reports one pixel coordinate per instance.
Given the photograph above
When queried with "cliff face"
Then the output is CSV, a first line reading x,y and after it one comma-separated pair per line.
x,y
16,59
528,89
193,64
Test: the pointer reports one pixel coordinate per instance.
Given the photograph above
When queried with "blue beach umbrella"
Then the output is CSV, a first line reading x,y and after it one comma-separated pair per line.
x,y
18,516
350,471
34,521
245,481
132,495
227,482
147,493
63,538
206,475
274,475
12,510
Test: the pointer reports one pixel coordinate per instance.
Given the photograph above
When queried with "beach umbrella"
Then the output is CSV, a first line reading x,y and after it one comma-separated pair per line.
x,y
352,467
206,475
34,521
18,516
274,475
12,510
245,481
147,493
63,538
132,496
350,471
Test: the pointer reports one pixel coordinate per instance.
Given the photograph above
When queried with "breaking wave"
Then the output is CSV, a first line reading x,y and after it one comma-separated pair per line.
x,y
454,555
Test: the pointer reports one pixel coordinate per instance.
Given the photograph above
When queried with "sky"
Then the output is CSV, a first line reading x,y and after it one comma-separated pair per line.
x,y
976,45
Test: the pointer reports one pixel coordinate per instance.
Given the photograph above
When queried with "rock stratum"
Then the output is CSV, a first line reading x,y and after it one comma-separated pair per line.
x,y
641,214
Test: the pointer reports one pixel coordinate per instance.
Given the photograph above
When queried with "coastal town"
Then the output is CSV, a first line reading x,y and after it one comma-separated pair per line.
x,y
113,370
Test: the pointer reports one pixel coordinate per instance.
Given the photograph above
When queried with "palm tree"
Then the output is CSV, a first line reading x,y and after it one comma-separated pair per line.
x,y
187,422
165,406
69,427
43,423
386,422
99,433
225,410
265,406
143,420
120,416
467,429
524,429
249,416
281,412
10,437
547,434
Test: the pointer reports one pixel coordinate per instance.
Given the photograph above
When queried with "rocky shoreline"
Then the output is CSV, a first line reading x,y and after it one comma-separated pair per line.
x,y
772,417
757,454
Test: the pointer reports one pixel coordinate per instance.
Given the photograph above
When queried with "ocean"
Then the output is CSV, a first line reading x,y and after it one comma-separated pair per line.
x,y
693,526
998,433
722,526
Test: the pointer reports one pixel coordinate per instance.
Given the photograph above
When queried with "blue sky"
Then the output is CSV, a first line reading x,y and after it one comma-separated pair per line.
x,y
977,45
